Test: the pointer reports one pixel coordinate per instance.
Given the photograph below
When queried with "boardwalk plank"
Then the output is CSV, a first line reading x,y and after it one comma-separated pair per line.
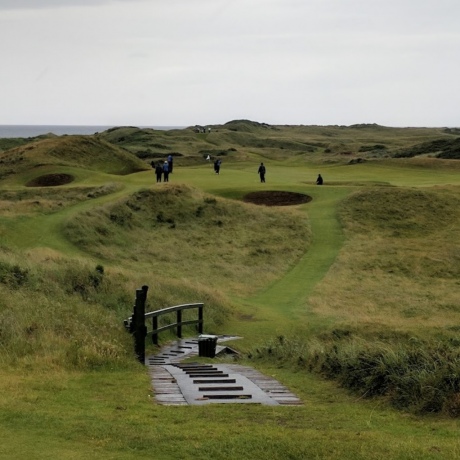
x,y
173,383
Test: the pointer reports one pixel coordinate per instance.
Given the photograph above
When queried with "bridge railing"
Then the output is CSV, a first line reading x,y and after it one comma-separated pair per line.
x,y
136,323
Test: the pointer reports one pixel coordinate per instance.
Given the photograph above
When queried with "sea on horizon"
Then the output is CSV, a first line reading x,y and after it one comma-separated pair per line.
x,y
24,131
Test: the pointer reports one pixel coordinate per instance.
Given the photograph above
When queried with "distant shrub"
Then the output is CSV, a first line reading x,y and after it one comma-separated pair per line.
x,y
371,148
443,148
145,154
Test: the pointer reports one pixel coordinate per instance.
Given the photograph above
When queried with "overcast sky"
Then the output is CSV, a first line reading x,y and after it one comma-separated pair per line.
x,y
187,62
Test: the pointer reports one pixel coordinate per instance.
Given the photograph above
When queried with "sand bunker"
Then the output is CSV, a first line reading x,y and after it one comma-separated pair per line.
x,y
277,198
51,180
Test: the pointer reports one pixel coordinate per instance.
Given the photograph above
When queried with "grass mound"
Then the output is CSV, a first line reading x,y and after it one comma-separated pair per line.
x,y
247,126
86,152
181,232
399,212
150,144
405,244
389,304
75,318
442,148
33,200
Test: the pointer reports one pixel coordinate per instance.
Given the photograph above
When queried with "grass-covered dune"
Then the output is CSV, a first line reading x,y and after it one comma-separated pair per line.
x,y
183,243
181,233
57,313
392,296
239,140
443,148
85,152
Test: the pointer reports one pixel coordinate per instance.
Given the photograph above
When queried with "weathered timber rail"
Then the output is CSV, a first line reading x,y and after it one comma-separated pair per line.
x,y
179,323
136,323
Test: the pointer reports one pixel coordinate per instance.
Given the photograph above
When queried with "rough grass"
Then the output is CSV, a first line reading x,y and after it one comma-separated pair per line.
x,y
416,375
244,138
74,391
391,299
179,232
75,318
400,265
45,199
75,151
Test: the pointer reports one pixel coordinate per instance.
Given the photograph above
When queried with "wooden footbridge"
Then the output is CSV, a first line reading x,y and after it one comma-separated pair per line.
x,y
179,383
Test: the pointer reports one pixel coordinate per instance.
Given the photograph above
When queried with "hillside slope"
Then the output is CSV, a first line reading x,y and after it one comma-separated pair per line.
x,y
240,140
86,152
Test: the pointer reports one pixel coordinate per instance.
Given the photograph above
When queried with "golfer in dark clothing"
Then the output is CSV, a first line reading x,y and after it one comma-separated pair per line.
x,y
319,180
158,171
170,163
261,172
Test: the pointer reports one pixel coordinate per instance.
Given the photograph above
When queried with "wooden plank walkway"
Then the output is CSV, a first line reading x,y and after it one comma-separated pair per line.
x,y
175,383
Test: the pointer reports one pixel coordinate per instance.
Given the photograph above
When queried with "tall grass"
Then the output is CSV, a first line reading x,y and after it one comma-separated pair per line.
x,y
181,233
398,270
185,245
390,302
416,375
66,313
34,200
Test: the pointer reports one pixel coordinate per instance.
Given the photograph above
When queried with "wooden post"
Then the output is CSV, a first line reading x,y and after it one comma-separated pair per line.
x,y
179,325
140,330
155,327
200,320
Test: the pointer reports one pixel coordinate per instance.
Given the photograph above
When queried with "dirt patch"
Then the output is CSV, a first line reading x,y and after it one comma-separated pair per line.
x,y
51,180
277,198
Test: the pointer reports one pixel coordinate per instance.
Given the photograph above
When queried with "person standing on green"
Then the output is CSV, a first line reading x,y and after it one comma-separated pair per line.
x,y
170,164
262,170
159,171
165,171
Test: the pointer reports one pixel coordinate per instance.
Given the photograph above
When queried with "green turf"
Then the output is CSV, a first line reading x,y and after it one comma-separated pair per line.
x,y
52,411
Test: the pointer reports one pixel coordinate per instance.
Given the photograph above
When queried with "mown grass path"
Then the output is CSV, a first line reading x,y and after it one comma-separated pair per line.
x,y
283,305
288,295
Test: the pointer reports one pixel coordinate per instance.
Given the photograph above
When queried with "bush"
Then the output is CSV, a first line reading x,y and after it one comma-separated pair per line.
x,y
420,377
13,275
